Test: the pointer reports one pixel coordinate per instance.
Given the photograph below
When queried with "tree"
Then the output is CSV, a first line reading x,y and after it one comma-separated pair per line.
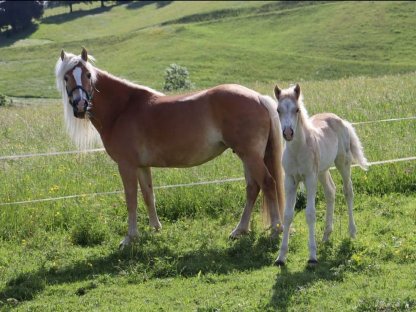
x,y
70,3
19,14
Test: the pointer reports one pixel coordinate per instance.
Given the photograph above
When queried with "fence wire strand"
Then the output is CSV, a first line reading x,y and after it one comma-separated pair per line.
x,y
161,187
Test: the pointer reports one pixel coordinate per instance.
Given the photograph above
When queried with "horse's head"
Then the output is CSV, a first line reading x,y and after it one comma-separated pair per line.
x,y
79,85
288,108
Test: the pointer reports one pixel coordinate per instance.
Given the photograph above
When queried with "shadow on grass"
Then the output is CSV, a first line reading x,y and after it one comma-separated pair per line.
x,y
66,17
149,258
332,266
139,4
8,38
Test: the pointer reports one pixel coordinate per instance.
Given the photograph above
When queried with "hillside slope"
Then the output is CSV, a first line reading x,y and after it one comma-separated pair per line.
x,y
219,42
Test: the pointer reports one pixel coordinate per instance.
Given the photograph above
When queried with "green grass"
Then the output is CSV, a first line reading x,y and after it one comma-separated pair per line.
x,y
63,254
264,43
353,59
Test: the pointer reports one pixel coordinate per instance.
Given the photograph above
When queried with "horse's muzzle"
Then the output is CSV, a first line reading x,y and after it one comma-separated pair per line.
x,y
80,107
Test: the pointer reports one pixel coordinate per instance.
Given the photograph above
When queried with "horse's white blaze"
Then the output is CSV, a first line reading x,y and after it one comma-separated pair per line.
x,y
77,72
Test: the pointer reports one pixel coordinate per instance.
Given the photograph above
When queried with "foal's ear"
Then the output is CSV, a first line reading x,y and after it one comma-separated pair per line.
x,y
277,91
297,91
63,55
84,54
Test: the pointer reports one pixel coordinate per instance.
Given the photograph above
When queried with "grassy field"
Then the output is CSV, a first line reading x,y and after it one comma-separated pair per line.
x,y
353,59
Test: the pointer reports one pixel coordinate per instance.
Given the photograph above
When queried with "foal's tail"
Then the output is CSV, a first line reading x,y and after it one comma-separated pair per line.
x,y
273,159
356,147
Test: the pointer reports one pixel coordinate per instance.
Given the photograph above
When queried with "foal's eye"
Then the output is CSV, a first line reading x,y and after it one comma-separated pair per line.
x,y
89,75
297,110
66,78
278,111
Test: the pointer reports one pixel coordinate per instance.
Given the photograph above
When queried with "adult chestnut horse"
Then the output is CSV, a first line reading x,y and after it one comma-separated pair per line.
x,y
142,128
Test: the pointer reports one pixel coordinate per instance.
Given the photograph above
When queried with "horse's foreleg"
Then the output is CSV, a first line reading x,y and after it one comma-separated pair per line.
x,y
311,186
329,191
290,193
146,186
252,191
129,177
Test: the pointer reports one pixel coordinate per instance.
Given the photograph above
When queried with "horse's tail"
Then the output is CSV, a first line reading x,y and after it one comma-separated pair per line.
x,y
273,159
356,147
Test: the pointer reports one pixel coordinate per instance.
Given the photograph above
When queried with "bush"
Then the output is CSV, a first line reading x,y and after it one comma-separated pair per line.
x,y
3,100
177,78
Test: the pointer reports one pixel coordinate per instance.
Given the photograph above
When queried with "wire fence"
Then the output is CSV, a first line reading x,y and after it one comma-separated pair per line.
x,y
161,187
95,150
220,181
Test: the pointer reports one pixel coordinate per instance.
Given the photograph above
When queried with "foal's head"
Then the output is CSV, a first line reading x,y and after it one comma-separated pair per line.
x,y
289,109
78,83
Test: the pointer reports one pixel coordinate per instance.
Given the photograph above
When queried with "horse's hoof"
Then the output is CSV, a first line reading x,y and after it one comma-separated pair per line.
x,y
156,226
279,263
237,233
126,242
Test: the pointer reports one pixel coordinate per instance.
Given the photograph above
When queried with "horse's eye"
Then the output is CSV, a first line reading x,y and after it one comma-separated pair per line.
x,y
297,110
278,111
89,75
66,78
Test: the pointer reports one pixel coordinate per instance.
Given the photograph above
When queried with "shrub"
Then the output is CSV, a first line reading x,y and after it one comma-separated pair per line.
x,y
177,78
3,100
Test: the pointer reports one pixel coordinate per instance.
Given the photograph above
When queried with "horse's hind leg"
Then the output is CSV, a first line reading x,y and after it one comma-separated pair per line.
x,y
344,167
329,191
146,186
252,191
257,169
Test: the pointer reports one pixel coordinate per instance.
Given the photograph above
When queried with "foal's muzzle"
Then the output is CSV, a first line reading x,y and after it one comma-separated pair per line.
x,y
288,133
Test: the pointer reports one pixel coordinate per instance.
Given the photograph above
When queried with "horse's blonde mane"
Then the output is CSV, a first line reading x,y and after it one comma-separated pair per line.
x,y
81,131
128,83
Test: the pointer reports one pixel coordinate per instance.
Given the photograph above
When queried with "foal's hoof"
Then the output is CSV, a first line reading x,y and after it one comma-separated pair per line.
x,y
279,263
312,263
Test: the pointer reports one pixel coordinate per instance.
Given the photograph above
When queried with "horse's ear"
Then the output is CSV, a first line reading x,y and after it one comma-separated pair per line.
x,y
297,91
84,54
63,55
277,91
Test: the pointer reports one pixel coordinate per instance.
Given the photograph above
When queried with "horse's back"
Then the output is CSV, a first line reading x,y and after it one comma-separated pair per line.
x,y
190,129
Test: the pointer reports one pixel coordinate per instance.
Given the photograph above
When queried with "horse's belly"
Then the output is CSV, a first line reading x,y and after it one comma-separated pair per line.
x,y
183,157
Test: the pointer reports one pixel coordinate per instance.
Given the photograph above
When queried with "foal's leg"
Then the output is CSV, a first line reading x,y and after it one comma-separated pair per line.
x,y
290,193
252,191
329,190
311,186
129,177
344,168
145,180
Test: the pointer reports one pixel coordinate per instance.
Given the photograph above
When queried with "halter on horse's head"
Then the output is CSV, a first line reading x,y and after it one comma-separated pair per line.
x,y
79,84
